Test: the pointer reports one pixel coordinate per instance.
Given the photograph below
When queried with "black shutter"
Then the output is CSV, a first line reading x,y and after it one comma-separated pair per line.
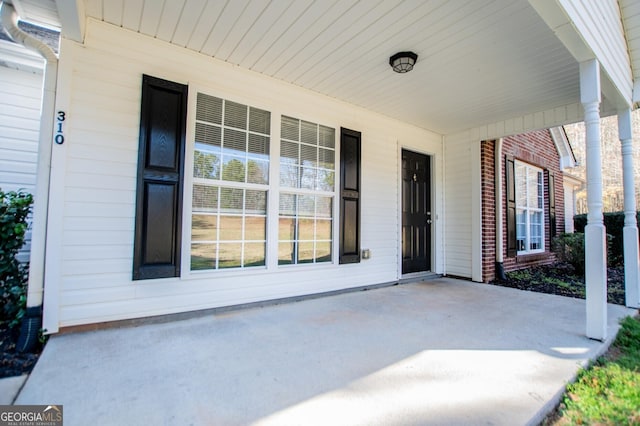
x,y
350,148
512,247
160,175
551,190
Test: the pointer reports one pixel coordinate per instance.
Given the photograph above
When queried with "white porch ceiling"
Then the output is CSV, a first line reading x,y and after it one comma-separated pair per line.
x,y
479,61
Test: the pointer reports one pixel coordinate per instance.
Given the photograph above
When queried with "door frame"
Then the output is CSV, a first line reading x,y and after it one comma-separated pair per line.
x,y
431,158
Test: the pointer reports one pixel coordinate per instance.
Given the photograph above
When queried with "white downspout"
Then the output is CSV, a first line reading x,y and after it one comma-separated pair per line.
x,y
33,319
497,168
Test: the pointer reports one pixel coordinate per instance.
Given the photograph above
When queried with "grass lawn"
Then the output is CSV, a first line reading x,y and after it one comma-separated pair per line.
x,y
608,392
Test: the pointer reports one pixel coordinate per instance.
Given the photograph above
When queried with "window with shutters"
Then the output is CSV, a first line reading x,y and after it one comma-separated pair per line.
x,y
529,197
307,192
230,185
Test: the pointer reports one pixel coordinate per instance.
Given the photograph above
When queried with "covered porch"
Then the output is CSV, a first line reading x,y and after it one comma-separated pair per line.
x,y
484,70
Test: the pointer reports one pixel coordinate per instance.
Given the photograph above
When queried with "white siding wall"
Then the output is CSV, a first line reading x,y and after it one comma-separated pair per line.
x,y
20,98
458,202
600,25
90,240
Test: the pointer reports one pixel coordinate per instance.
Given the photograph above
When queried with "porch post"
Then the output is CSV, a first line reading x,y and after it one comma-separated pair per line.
x,y
594,233
630,230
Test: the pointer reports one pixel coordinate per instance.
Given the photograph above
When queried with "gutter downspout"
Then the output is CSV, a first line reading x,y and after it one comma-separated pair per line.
x,y
499,210
32,321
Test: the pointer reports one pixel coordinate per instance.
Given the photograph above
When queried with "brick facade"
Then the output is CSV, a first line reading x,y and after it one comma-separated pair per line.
x,y
538,149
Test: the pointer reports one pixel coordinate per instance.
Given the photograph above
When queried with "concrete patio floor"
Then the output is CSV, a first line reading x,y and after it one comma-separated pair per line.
x,y
439,352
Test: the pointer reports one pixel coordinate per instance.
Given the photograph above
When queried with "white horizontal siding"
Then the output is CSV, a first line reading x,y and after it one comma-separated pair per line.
x,y
91,272
20,94
458,205
600,25
20,98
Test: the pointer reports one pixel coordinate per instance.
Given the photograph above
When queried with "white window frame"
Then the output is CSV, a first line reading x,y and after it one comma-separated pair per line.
x,y
312,192
273,188
191,181
528,209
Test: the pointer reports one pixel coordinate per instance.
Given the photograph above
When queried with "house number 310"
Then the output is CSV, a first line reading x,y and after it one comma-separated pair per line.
x,y
59,137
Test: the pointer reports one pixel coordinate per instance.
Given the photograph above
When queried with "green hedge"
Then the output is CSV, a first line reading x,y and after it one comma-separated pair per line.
x,y
14,209
614,223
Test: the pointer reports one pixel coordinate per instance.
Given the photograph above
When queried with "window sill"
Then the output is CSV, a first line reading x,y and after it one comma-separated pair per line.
x,y
532,257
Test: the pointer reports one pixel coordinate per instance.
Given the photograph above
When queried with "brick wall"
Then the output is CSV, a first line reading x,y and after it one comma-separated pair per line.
x,y
536,148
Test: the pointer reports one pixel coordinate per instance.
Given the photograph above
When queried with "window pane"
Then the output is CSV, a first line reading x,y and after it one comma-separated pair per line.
x,y
323,207
323,252
288,206
327,137
309,133
206,165
532,188
308,155
203,256
286,253
521,185
286,229
306,206
235,142
326,180
230,228
305,252
235,115
204,228
289,176
209,108
259,146
290,128
230,255
307,178
205,198
306,229
258,172
209,135
289,152
326,158
259,121
254,254
233,169
323,230
231,200
256,202
255,228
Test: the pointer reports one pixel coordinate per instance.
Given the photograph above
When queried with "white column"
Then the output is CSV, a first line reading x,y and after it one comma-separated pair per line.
x,y
595,233
630,231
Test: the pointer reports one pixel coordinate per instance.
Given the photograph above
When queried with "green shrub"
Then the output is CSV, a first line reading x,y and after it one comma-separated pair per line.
x,y
614,223
569,248
14,209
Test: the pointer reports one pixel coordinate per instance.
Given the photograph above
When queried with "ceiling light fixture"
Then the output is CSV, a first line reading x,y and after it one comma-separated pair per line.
x,y
403,62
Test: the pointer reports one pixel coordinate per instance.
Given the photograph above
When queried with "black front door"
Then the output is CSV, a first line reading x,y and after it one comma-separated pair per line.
x,y
416,212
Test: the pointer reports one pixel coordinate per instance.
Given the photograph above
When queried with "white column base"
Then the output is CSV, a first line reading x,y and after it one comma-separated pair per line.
x,y
631,268
596,280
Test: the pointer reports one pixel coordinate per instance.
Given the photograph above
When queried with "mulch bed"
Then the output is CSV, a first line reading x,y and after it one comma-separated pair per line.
x,y
560,279
13,363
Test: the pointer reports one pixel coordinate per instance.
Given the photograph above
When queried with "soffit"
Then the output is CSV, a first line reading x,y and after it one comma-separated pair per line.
x,y
479,62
